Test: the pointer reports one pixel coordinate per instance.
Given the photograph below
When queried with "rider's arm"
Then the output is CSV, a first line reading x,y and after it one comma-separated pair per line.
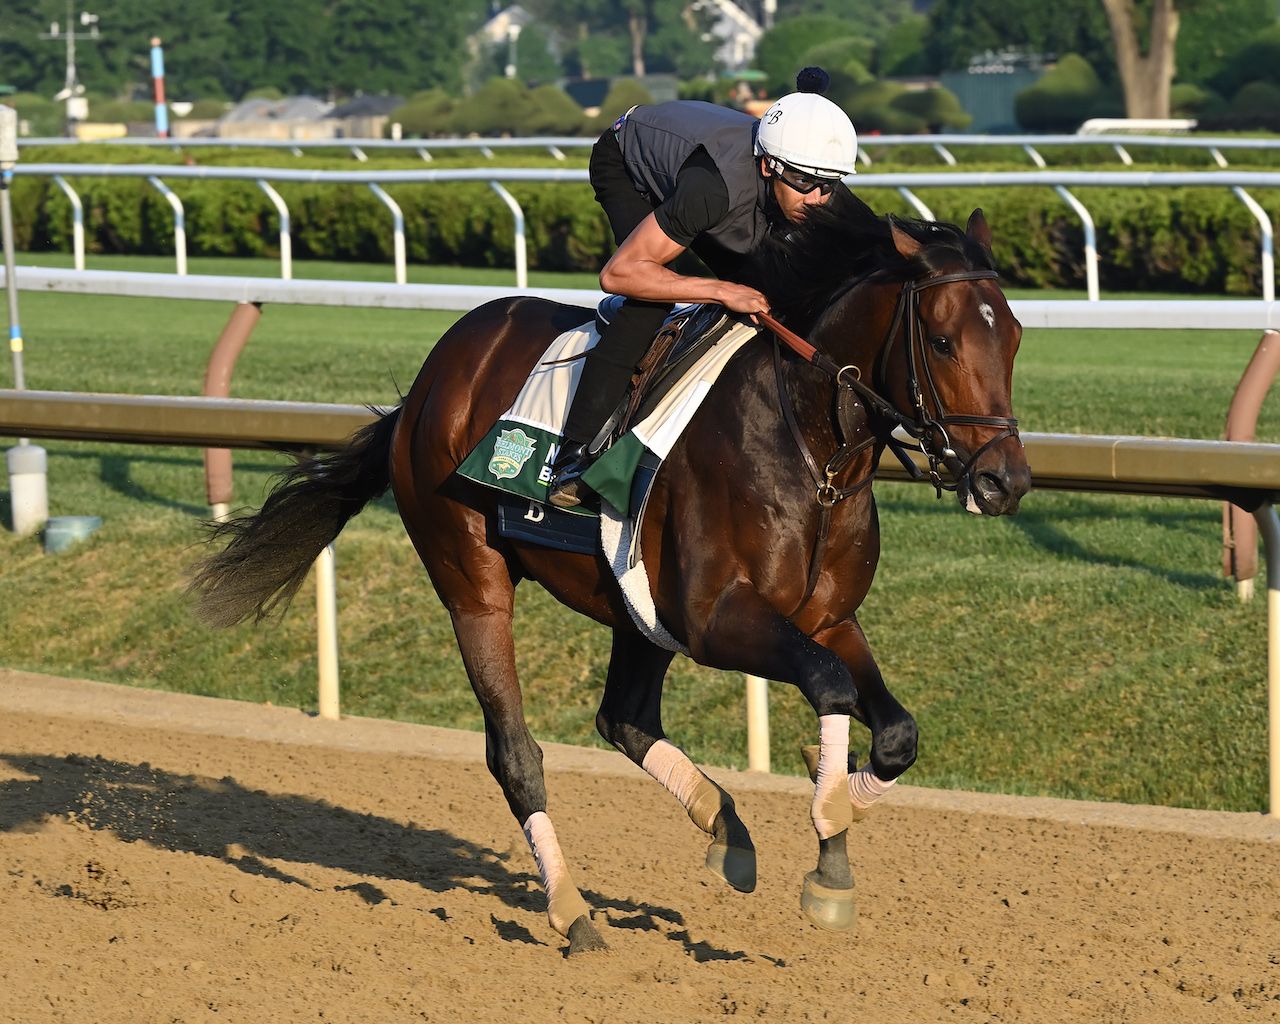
x,y
639,267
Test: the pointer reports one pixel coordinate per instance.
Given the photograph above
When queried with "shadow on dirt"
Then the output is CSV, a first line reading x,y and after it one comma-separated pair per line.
x,y
249,829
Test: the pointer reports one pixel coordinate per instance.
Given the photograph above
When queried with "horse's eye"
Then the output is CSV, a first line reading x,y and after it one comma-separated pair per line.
x,y
941,344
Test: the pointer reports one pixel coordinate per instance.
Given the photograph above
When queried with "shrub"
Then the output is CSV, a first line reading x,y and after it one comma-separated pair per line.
x,y
1063,98
873,108
938,108
1187,100
426,114
623,94
500,107
555,112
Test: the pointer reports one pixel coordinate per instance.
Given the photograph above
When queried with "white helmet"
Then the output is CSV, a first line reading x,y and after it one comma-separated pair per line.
x,y
810,133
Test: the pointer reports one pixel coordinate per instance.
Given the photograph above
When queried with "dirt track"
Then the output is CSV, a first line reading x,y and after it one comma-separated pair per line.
x,y
170,858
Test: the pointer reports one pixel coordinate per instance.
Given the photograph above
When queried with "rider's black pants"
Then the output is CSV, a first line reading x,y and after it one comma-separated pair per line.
x,y
608,366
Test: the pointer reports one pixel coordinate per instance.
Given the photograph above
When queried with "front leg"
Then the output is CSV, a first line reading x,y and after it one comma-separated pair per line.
x,y
746,634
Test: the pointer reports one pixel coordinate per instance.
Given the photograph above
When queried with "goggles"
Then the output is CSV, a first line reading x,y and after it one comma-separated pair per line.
x,y
802,181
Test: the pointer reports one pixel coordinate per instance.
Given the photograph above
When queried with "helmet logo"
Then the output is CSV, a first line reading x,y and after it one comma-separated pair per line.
x,y
774,115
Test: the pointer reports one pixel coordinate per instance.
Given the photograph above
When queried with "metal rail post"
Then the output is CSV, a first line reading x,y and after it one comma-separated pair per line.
x,y
945,153
757,724
916,202
77,219
1269,525
1123,154
1268,242
217,384
286,239
397,221
1034,153
1090,242
522,261
327,634
1239,531
179,222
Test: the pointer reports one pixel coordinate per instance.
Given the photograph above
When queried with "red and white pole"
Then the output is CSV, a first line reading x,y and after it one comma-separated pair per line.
x,y
157,79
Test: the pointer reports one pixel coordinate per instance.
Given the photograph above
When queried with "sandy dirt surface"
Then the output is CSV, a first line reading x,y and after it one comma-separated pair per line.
x,y
168,858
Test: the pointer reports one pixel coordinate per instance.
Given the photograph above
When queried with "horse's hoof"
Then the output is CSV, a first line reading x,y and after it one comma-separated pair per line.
x,y
583,937
831,909
735,864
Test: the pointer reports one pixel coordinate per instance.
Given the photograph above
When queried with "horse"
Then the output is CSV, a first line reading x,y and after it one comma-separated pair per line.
x,y
760,533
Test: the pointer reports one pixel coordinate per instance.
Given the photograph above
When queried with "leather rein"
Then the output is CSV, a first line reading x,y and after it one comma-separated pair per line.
x,y
853,398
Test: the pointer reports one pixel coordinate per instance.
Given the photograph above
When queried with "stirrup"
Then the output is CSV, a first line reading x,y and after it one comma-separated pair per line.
x,y
567,489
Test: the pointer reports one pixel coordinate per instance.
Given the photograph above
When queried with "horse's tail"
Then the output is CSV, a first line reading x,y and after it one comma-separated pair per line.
x,y
268,553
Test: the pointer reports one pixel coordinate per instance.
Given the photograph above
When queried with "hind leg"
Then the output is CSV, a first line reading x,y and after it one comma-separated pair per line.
x,y
515,761
630,718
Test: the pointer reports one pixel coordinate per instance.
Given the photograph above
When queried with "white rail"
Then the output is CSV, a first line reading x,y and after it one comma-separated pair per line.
x,y
1118,314
562,142
904,183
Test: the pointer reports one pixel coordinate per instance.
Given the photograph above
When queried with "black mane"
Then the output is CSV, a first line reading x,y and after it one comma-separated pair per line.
x,y
840,243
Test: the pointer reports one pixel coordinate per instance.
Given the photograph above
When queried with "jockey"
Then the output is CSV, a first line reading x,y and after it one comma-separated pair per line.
x,y
687,174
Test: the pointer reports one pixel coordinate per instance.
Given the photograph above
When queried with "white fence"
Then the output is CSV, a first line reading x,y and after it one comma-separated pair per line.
x,y
942,144
904,184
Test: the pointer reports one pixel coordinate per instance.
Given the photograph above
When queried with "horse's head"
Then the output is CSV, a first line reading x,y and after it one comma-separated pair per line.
x,y
947,365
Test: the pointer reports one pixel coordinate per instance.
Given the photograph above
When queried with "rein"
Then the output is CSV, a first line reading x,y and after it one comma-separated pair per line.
x,y
853,398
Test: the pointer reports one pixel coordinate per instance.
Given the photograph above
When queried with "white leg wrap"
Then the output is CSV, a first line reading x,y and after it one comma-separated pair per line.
x,y
680,777
564,903
832,812
865,788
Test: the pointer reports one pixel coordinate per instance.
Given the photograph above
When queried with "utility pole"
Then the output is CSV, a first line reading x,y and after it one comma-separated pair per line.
x,y
72,90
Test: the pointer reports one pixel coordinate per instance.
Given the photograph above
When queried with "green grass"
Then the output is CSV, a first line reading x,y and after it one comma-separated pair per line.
x,y
1087,648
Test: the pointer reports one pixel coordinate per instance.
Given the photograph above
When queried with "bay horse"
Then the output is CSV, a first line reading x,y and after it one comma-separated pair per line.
x,y
760,534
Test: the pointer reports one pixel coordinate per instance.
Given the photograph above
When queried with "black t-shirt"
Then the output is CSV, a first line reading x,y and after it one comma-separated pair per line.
x,y
700,200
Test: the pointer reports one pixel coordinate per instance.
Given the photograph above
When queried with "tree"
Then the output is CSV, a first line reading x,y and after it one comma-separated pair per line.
x,y
1146,77
781,50
962,29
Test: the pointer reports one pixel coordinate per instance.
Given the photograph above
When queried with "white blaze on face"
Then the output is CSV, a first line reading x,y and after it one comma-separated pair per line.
x,y
988,314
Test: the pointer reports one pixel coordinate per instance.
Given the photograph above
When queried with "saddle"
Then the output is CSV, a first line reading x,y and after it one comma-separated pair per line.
x,y
685,334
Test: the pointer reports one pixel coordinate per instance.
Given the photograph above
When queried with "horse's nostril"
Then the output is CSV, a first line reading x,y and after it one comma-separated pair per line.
x,y
991,486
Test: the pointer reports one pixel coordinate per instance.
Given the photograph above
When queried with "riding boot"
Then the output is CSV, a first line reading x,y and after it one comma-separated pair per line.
x,y
566,489
606,371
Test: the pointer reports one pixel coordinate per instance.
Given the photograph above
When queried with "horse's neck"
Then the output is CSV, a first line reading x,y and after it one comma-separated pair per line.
x,y
855,329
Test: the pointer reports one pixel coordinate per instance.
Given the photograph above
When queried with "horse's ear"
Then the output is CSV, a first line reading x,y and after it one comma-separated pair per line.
x,y
903,242
979,230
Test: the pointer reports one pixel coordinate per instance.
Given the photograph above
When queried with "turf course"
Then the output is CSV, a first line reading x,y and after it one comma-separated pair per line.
x,y
1087,648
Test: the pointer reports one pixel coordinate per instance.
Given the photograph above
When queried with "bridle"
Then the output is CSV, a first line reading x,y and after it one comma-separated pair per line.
x,y
853,398
929,431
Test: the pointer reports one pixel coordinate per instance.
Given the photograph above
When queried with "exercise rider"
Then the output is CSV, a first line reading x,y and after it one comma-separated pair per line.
x,y
682,175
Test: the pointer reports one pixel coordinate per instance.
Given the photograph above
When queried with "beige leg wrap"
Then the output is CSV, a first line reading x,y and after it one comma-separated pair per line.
x,y
564,903
832,811
680,777
865,788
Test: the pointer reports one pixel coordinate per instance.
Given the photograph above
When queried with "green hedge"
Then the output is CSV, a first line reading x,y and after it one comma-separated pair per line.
x,y
1186,240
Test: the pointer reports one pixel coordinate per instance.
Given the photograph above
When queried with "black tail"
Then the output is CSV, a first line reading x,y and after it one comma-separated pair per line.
x,y
269,552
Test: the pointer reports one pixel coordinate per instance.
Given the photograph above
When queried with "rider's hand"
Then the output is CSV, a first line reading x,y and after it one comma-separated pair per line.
x,y
742,299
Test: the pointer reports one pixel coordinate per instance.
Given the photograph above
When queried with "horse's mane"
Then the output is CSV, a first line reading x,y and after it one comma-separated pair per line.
x,y
842,242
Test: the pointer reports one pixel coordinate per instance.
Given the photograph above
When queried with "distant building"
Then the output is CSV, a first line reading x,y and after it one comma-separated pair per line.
x,y
364,117
497,30
294,117
736,30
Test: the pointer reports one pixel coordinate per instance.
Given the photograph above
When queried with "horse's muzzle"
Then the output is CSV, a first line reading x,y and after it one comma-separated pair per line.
x,y
995,491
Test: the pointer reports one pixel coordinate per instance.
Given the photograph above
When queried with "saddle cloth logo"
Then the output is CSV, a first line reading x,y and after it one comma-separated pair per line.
x,y
511,450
